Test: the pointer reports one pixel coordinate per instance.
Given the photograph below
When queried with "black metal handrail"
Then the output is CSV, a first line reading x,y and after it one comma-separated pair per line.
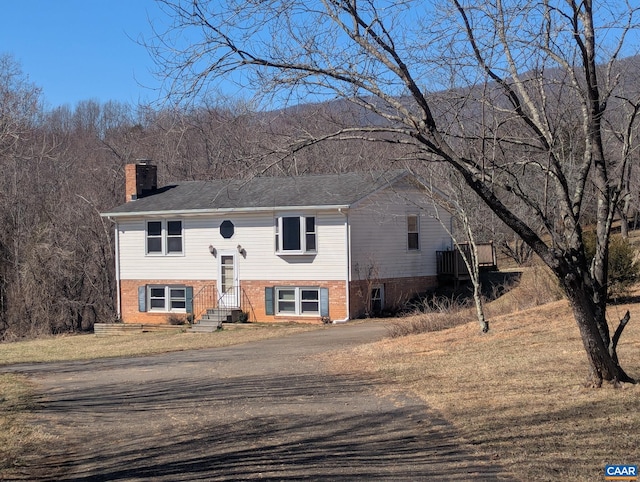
x,y
208,298
204,299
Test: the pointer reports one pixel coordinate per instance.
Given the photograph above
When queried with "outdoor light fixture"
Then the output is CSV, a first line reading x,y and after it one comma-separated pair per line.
x,y
242,251
212,250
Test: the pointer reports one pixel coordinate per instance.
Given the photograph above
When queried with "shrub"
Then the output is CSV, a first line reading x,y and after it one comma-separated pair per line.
x,y
176,320
623,266
432,313
429,322
532,287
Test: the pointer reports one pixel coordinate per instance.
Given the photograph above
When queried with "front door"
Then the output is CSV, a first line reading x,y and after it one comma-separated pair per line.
x,y
228,287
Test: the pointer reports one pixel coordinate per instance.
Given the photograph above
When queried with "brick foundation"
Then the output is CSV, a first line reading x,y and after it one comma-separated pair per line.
x,y
252,300
396,292
254,291
129,300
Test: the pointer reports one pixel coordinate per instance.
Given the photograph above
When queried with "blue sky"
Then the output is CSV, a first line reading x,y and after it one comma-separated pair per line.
x,y
82,49
86,49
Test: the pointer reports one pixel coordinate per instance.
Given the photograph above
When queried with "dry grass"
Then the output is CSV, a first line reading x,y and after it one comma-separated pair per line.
x,y
516,394
85,347
17,437
536,286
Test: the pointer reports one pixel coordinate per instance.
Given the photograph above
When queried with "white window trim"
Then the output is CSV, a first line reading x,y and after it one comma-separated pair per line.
x,y
417,231
303,235
164,237
297,300
167,299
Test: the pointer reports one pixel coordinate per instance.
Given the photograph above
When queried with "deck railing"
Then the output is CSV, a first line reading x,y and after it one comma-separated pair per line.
x,y
451,264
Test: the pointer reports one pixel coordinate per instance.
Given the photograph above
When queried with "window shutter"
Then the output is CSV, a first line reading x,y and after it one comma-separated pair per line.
x,y
269,308
142,298
324,301
189,299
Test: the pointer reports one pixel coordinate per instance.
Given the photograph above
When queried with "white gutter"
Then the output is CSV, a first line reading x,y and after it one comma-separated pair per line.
x,y
117,256
188,212
347,247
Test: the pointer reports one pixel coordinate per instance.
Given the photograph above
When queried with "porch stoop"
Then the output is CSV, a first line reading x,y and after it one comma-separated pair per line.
x,y
213,318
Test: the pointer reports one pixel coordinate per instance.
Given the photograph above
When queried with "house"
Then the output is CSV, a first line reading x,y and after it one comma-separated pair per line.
x,y
309,248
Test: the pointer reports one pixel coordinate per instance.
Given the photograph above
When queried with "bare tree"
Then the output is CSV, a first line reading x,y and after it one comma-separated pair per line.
x,y
452,196
511,76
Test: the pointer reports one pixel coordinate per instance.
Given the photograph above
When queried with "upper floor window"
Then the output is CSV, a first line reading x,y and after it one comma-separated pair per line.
x,y
296,234
413,232
164,237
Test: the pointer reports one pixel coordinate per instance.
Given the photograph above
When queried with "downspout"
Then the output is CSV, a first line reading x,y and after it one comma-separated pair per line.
x,y
117,256
347,248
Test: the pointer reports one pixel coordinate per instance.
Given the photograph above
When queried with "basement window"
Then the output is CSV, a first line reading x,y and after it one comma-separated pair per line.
x,y
298,301
167,298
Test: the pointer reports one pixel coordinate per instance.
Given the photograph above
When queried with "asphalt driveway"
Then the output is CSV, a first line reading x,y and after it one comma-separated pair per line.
x,y
265,410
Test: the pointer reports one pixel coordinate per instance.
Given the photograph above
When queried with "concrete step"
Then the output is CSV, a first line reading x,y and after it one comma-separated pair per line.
x,y
222,314
207,322
205,328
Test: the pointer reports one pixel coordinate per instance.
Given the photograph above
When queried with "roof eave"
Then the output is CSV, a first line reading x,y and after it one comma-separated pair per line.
x,y
199,212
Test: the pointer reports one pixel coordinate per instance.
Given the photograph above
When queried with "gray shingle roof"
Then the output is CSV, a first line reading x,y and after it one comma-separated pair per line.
x,y
262,192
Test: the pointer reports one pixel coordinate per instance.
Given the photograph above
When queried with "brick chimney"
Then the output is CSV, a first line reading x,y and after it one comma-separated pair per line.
x,y
141,178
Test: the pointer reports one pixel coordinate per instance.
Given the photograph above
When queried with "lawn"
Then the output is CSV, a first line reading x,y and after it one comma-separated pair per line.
x,y
517,393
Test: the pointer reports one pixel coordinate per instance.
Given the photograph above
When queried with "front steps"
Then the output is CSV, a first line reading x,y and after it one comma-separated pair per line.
x,y
212,320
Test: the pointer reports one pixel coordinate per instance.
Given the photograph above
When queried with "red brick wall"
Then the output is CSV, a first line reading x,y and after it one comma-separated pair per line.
x,y
396,292
254,291
252,300
130,189
129,300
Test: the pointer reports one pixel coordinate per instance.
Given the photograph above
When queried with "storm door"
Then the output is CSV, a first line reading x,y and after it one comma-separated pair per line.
x,y
228,286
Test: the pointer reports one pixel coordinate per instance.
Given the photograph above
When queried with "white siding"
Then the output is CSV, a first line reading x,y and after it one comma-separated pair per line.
x,y
254,232
379,235
196,263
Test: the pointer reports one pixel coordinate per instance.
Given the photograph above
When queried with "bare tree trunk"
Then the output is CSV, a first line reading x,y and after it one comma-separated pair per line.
x,y
590,319
477,298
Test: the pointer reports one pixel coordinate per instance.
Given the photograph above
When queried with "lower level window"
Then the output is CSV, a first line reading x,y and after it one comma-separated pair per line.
x,y
377,299
298,301
167,298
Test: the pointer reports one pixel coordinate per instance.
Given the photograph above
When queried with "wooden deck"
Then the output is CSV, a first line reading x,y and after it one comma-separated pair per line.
x,y
452,268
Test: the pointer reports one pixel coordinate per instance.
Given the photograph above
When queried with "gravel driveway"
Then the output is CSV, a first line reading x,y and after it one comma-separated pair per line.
x,y
264,410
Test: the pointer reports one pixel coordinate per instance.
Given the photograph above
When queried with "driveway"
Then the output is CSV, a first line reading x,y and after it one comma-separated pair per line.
x,y
265,410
